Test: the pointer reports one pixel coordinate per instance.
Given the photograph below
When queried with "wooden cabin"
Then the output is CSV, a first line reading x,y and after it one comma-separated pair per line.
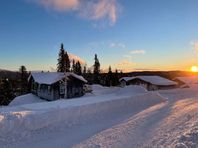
x,y
56,85
151,83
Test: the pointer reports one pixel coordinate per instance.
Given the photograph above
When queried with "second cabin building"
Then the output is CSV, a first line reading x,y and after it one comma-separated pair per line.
x,y
151,83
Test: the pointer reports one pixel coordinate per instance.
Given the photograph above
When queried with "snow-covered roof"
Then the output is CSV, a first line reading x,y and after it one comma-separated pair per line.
x,y
126,78
77,76
189,80
156,80
53,77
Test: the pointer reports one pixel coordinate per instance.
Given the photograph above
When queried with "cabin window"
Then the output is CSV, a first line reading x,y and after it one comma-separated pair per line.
x,y
62,89
34,86
39,87
49,89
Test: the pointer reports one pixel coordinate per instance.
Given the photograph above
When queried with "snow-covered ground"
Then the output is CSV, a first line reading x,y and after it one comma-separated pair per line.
x,y
169,124
26,99
109,117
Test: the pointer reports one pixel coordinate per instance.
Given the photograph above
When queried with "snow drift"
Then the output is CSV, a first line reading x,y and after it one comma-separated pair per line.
x,y
128,90
25,99
18,122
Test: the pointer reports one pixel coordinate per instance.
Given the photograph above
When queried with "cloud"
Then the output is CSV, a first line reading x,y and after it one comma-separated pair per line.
x,y
125,65
195,46
117,45
59,5
137,52
100,10
76,58
97,10
127,56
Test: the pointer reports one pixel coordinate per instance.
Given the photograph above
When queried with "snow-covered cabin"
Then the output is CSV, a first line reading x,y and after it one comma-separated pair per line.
x,y
148,82
56,85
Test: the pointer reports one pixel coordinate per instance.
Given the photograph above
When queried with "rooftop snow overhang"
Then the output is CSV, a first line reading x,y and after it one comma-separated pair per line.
x,y
155,80
51,78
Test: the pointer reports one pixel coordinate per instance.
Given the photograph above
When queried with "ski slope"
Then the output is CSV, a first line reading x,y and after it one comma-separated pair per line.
x,y
110,117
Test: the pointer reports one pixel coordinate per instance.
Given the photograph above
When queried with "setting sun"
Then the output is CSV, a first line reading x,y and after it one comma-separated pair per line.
x,y
194,69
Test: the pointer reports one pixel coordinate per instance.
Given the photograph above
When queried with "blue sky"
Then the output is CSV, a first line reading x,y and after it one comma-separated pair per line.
x,y
126,34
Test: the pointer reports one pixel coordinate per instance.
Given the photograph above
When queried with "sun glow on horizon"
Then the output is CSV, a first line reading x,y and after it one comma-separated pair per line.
x,y
194,69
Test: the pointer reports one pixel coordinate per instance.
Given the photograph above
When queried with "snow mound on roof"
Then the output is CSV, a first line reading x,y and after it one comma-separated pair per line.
x,y
76,76
53,77
25,99
157,80
47,77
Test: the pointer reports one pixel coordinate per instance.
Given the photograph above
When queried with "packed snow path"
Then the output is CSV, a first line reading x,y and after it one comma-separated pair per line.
x,y
171,123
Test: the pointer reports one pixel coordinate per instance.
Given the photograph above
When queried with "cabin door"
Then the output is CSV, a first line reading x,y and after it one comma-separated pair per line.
x,y
63,89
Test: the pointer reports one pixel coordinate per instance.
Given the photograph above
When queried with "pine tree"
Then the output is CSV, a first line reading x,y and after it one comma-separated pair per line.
x,y
116,78
96,70
67,62
73,66
6,92
78,68
84,70
89,76
121,73
61,66
23,80
109,78
63,61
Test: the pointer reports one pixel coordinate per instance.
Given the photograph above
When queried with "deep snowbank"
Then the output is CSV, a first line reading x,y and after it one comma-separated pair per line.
x,y
128,90
18,122
25,99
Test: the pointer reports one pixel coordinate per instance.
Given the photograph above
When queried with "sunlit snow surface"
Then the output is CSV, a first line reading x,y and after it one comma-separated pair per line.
x,y
109,117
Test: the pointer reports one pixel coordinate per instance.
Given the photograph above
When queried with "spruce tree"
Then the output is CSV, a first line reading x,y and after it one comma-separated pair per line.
x,y
67,62
89,76
109,78
78,68
23,79
63,61
84,70
116,78
6,92
61,66
73,66
96,70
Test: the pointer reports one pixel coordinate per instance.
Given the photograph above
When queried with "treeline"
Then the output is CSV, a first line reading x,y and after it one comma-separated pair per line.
x,y
94,75
10,87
